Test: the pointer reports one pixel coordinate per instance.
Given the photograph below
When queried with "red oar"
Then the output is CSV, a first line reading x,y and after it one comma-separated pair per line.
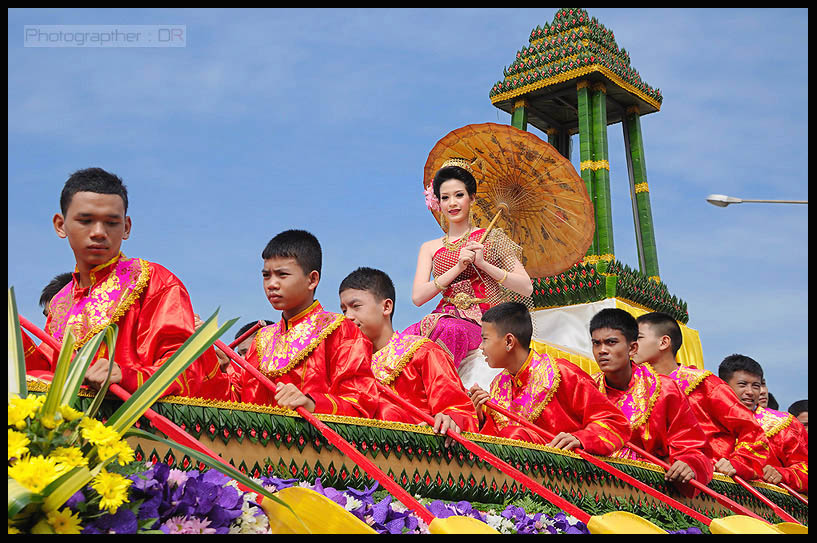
x,y
163,424
799,497
606,467
508,469
720,498
344,446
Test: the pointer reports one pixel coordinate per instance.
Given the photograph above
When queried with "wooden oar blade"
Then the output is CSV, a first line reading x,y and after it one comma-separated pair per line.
x,y
622,522
317,513
741,524
459,525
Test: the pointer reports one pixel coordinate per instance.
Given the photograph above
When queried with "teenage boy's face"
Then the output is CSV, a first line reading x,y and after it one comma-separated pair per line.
x,y
95,225
611,349
648,345
365,311
494,346
286,285
763,399
747,386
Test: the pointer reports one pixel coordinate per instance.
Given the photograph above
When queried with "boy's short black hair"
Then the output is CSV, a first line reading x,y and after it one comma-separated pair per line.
x,y
772,402
798,407
92,180
371,280
297,244
615,319
53,287
664,325
511,318
738,362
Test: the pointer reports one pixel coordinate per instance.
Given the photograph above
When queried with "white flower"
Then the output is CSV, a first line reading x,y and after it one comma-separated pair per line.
x,y
352,503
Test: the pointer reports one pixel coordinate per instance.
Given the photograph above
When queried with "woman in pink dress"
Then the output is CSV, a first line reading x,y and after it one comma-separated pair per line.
x,y
471,276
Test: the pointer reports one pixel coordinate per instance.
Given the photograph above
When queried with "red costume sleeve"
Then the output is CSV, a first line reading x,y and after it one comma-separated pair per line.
x,y
152,332
430,382
337,375
603,428
157,323
730,427
790,455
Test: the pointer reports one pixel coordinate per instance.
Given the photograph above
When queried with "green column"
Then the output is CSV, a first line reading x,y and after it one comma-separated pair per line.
x,y
644,224
604,217
519,118
586,147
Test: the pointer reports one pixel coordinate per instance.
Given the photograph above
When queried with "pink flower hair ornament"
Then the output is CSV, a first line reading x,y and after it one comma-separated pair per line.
x,y
432,202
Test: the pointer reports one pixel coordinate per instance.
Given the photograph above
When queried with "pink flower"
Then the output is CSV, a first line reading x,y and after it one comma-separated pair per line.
x,y
432,202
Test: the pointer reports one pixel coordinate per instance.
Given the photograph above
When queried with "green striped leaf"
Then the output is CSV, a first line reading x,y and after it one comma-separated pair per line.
x,y
152,389
17,359
82,361
54,394
20,497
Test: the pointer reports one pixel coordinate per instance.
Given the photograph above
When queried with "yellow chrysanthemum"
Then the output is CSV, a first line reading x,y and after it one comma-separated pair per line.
x,y
123,452
69,413
50,421
97,433
112,488
70,457
18,444
34,472
65,522
19,409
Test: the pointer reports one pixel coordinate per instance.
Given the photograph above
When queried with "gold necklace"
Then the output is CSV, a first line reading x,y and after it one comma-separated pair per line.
x,y
457,244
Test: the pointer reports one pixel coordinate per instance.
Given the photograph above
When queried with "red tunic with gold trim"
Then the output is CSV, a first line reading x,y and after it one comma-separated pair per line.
x,y
558,396
152,309
729,426
790,456
420,371
662,420
323,354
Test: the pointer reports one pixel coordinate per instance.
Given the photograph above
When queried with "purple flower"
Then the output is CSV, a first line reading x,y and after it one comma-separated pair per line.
x,y
76,499
121,522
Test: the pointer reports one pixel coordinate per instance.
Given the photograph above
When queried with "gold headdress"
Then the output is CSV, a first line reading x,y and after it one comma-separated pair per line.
x,y
463,163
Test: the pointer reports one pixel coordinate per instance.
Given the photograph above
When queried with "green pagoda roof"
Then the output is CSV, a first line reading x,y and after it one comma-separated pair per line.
x,y
573,47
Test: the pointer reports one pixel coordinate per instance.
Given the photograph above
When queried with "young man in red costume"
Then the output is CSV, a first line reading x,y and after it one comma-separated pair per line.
x,y
555,394
736,442
661,419
788,462
414,367
319,360
150,305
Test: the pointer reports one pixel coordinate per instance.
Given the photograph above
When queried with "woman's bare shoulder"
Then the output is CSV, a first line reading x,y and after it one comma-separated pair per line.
x,y
432,246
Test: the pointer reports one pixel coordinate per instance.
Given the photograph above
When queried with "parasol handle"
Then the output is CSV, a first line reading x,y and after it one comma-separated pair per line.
x,y
493,221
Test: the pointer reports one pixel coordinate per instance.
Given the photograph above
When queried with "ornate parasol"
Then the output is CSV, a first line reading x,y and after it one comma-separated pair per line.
x,y
525,187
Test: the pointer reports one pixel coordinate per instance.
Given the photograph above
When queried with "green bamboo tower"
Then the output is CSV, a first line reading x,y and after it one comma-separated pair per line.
x,y
572,78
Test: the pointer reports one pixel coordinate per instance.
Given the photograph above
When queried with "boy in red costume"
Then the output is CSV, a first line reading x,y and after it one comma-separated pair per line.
x,y
660,416
788,462
554,394
319,360
736,442
414,367
150,305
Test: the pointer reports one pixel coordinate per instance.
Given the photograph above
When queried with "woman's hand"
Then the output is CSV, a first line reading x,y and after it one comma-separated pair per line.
x,y
478,251
466,258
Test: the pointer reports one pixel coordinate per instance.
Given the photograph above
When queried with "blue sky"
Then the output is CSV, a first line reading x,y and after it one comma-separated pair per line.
x,y
323,119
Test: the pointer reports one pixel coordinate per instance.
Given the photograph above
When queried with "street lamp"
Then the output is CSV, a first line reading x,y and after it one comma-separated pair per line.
x,y
721,200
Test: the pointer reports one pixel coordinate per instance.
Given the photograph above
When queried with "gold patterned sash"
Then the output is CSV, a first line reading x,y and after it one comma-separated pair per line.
x,y
689,378
388,362
281,350
540,379
638,400
107,300
772,421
